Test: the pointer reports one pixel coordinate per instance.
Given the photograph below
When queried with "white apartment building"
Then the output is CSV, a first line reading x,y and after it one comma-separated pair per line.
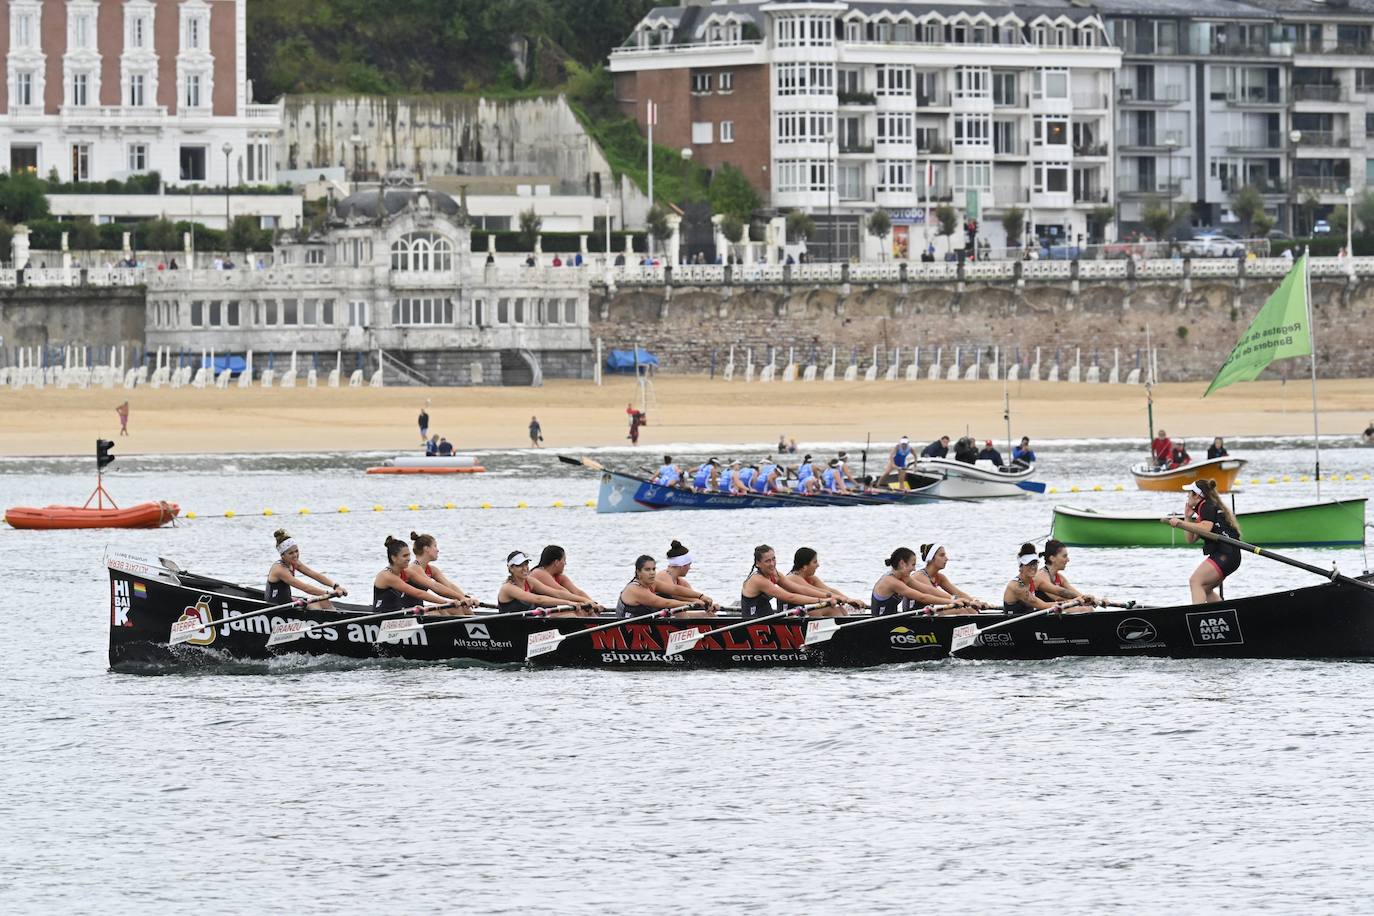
x,y
101,89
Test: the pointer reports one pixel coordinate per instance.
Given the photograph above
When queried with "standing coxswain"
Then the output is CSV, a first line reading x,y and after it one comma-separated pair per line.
x,y
282,577
1206,513
392,589
901,458
671,581
422,573
517,595
550,578
764,583
640,595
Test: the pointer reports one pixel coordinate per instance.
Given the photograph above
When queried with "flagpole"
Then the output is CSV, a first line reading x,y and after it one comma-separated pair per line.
x,y
1312,335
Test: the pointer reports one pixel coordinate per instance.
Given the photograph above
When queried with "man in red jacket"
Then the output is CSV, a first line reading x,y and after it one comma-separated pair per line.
x,y
1162,449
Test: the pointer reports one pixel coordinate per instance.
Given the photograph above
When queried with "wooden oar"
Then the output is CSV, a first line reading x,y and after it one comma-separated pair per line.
x,y
683,640
587,463
824,629
549,640
968,634
293,630
187,629
396,630
1268,554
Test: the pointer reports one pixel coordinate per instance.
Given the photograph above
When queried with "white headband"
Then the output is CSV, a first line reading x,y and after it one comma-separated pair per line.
x,y
518,560
1027,559
286,546
1194,488
934,549
684,560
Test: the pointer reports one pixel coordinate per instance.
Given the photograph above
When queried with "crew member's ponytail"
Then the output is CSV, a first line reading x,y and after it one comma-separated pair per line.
x,y
1209,493
394,547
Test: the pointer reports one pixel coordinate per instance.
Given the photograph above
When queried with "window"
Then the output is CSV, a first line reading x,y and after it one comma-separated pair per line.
x,y
23,30
805,79
138,157
851,182
519,311
894,128
805,127
314,256
23,88
23,158
972,82
503,311
798,176
972,175
197,314
894,80
327,312
136,83
81,162
231,313
1052,177
194,33
193,90
1004,89
290,311
269,311
727,131
138,32
80,89
81,31
726,81
972,130
257,160
1051,84
214,313
894,175
701,82
570,311
1052,131
309,312
357,314
193,163
479,312
702,131
423,252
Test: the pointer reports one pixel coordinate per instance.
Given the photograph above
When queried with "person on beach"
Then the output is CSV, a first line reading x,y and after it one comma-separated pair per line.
x,y
1019,596
123,411
516,594
1050,584
1162,449
282,577
638,418
549,578
671,581
1217,449
536,433
1023,454
1206,513
763,583
424,422
392,589
422,573
640,595
934,559
803,580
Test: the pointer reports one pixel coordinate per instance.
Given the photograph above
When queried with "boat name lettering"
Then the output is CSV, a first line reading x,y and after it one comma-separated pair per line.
x,y
1215,628
646,637
119,603
484,645
907,640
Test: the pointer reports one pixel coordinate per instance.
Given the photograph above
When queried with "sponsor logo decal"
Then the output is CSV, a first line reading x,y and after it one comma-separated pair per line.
x,y
198,613
907,640
140,590
996,638
1049,640
1138,633
1215,628
763,642
477,630
119,603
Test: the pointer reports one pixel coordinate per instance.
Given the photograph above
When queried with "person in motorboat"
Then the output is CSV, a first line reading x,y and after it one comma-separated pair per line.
x,y
902,457
803,580
934,559
640,595
1023,454
669,475
1050,584
422,573
989,453
1217,449
764,583
286,573
965,450
516,593
1180,456
549,578
937,449
671,581
1205,512
392,589
1161,449
432,446
896,590
445,448
1019,596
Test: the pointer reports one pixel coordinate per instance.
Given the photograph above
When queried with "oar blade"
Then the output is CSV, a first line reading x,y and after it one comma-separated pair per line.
x,y
963,637
683,640
188,629
289,631
542,643
822,630
393,631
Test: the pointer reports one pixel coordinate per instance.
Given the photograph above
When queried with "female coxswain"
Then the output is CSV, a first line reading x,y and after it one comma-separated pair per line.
x,y
283,576
896,590
640,595
549,578
803,580
763,583
1050,584
1019,596
671,581
934,559
1206,513
517,595
391,588
422,573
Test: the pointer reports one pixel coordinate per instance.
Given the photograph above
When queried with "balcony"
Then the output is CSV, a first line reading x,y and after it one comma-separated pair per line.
x,y
936,147
1320,93
1015,149
857,98
1322,184
1146,44
1095,196
1271,141
1323,139
1014,100
1090,100
1256,95
1151,96
933,100
1147,140
1084,150
848,147
1269,186
1346,48
1223,48
1008,195
1136,185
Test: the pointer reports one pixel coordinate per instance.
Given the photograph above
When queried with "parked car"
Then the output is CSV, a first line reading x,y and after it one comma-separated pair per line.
x,y
1321,227
1212,245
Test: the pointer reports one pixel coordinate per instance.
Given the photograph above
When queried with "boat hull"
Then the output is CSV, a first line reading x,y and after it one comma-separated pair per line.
x,y
1221,470
476,469
623,493
1328,524
961,480
431,461
143,515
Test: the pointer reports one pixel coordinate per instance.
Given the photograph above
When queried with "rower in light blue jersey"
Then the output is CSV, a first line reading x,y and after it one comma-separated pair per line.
x,y
704,476
670,475
832,479
766,481
746,477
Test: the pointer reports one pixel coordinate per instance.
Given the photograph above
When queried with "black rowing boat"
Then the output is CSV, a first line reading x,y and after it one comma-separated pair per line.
x,y
1333,620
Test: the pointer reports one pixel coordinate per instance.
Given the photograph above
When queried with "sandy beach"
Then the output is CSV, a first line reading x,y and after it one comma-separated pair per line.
x,y
580,414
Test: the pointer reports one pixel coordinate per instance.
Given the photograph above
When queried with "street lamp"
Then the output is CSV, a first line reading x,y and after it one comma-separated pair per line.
x,y
1350,231
687,158
1294,138
830,196
226,149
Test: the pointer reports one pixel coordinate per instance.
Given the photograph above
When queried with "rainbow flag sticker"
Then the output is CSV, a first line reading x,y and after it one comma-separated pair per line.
x,y
140,590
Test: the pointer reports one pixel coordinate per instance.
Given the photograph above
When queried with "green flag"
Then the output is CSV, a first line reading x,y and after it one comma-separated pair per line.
x,y
1279,331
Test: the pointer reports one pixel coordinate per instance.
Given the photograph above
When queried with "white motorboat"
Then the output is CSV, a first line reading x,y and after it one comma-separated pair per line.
x,y
961,480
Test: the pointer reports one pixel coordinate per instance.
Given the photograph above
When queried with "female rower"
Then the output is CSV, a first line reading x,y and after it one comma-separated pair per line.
x,y
548,579
422,573
391,588
832,479
896,587
1207,514
640,595
672,580
769,478
281,578
517,595
803,579
1050,584
704,477
763,582
1019,596
934,559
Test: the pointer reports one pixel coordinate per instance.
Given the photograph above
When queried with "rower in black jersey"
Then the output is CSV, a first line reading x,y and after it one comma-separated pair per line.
x,y
282,577
762,584
640,595
516,594
391,588
1019,596
897,591
1205,512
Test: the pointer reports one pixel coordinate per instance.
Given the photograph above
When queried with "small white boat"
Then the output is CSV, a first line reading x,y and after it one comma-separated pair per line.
x,y
436,461
961,480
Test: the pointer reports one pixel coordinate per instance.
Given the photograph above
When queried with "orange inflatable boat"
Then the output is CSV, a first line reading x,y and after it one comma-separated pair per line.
x,y
143,515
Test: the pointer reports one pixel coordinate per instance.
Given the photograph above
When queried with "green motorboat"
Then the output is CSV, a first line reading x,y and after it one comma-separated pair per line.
x,y
1339,523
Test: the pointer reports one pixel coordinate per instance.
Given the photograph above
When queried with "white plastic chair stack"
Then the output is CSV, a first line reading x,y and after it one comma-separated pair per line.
x,y
4,375
789,371
851,372
956,369
829,375
376,381
1014,372
202,377
894,366
1094,373
267,377
1076,370
356,379
934,374
311,379
1034,374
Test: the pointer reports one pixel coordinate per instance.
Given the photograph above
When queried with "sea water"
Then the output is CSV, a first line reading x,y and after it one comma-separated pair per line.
x,y
320,786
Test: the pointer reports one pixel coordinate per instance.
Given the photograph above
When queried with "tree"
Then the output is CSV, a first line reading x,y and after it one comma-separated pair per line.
x,y
657,224
22,199
948,219
1364,211
1247,204
1263,225
733,229
530,226
800,226
1157,218
83,235
243,234
1308,205
6,240
880,227
1014,222
731,194
1099,218
160,235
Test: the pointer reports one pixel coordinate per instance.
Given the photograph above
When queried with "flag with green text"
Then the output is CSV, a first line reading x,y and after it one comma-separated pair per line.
x,y
1279,331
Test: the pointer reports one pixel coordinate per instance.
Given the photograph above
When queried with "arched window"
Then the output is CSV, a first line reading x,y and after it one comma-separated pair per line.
x,y
422,252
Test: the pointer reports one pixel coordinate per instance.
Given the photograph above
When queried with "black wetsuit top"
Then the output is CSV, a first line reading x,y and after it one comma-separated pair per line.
x,y
509,607
392,599
623,610
889,605
276,592
1016,607
757,606
1225,556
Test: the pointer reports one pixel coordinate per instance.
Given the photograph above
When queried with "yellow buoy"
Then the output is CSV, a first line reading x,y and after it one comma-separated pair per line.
x,y
591,503
190,515
304,511
1097,488
229,513
557,504
1304,478
1052,490
486,505
449,506
522,505
1119,488
413,507
1254,480
266,511
377,508
343,510
1349,476
1288,479
1073,489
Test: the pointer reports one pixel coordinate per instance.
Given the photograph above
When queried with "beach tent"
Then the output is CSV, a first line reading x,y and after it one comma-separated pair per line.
x,y
624,360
